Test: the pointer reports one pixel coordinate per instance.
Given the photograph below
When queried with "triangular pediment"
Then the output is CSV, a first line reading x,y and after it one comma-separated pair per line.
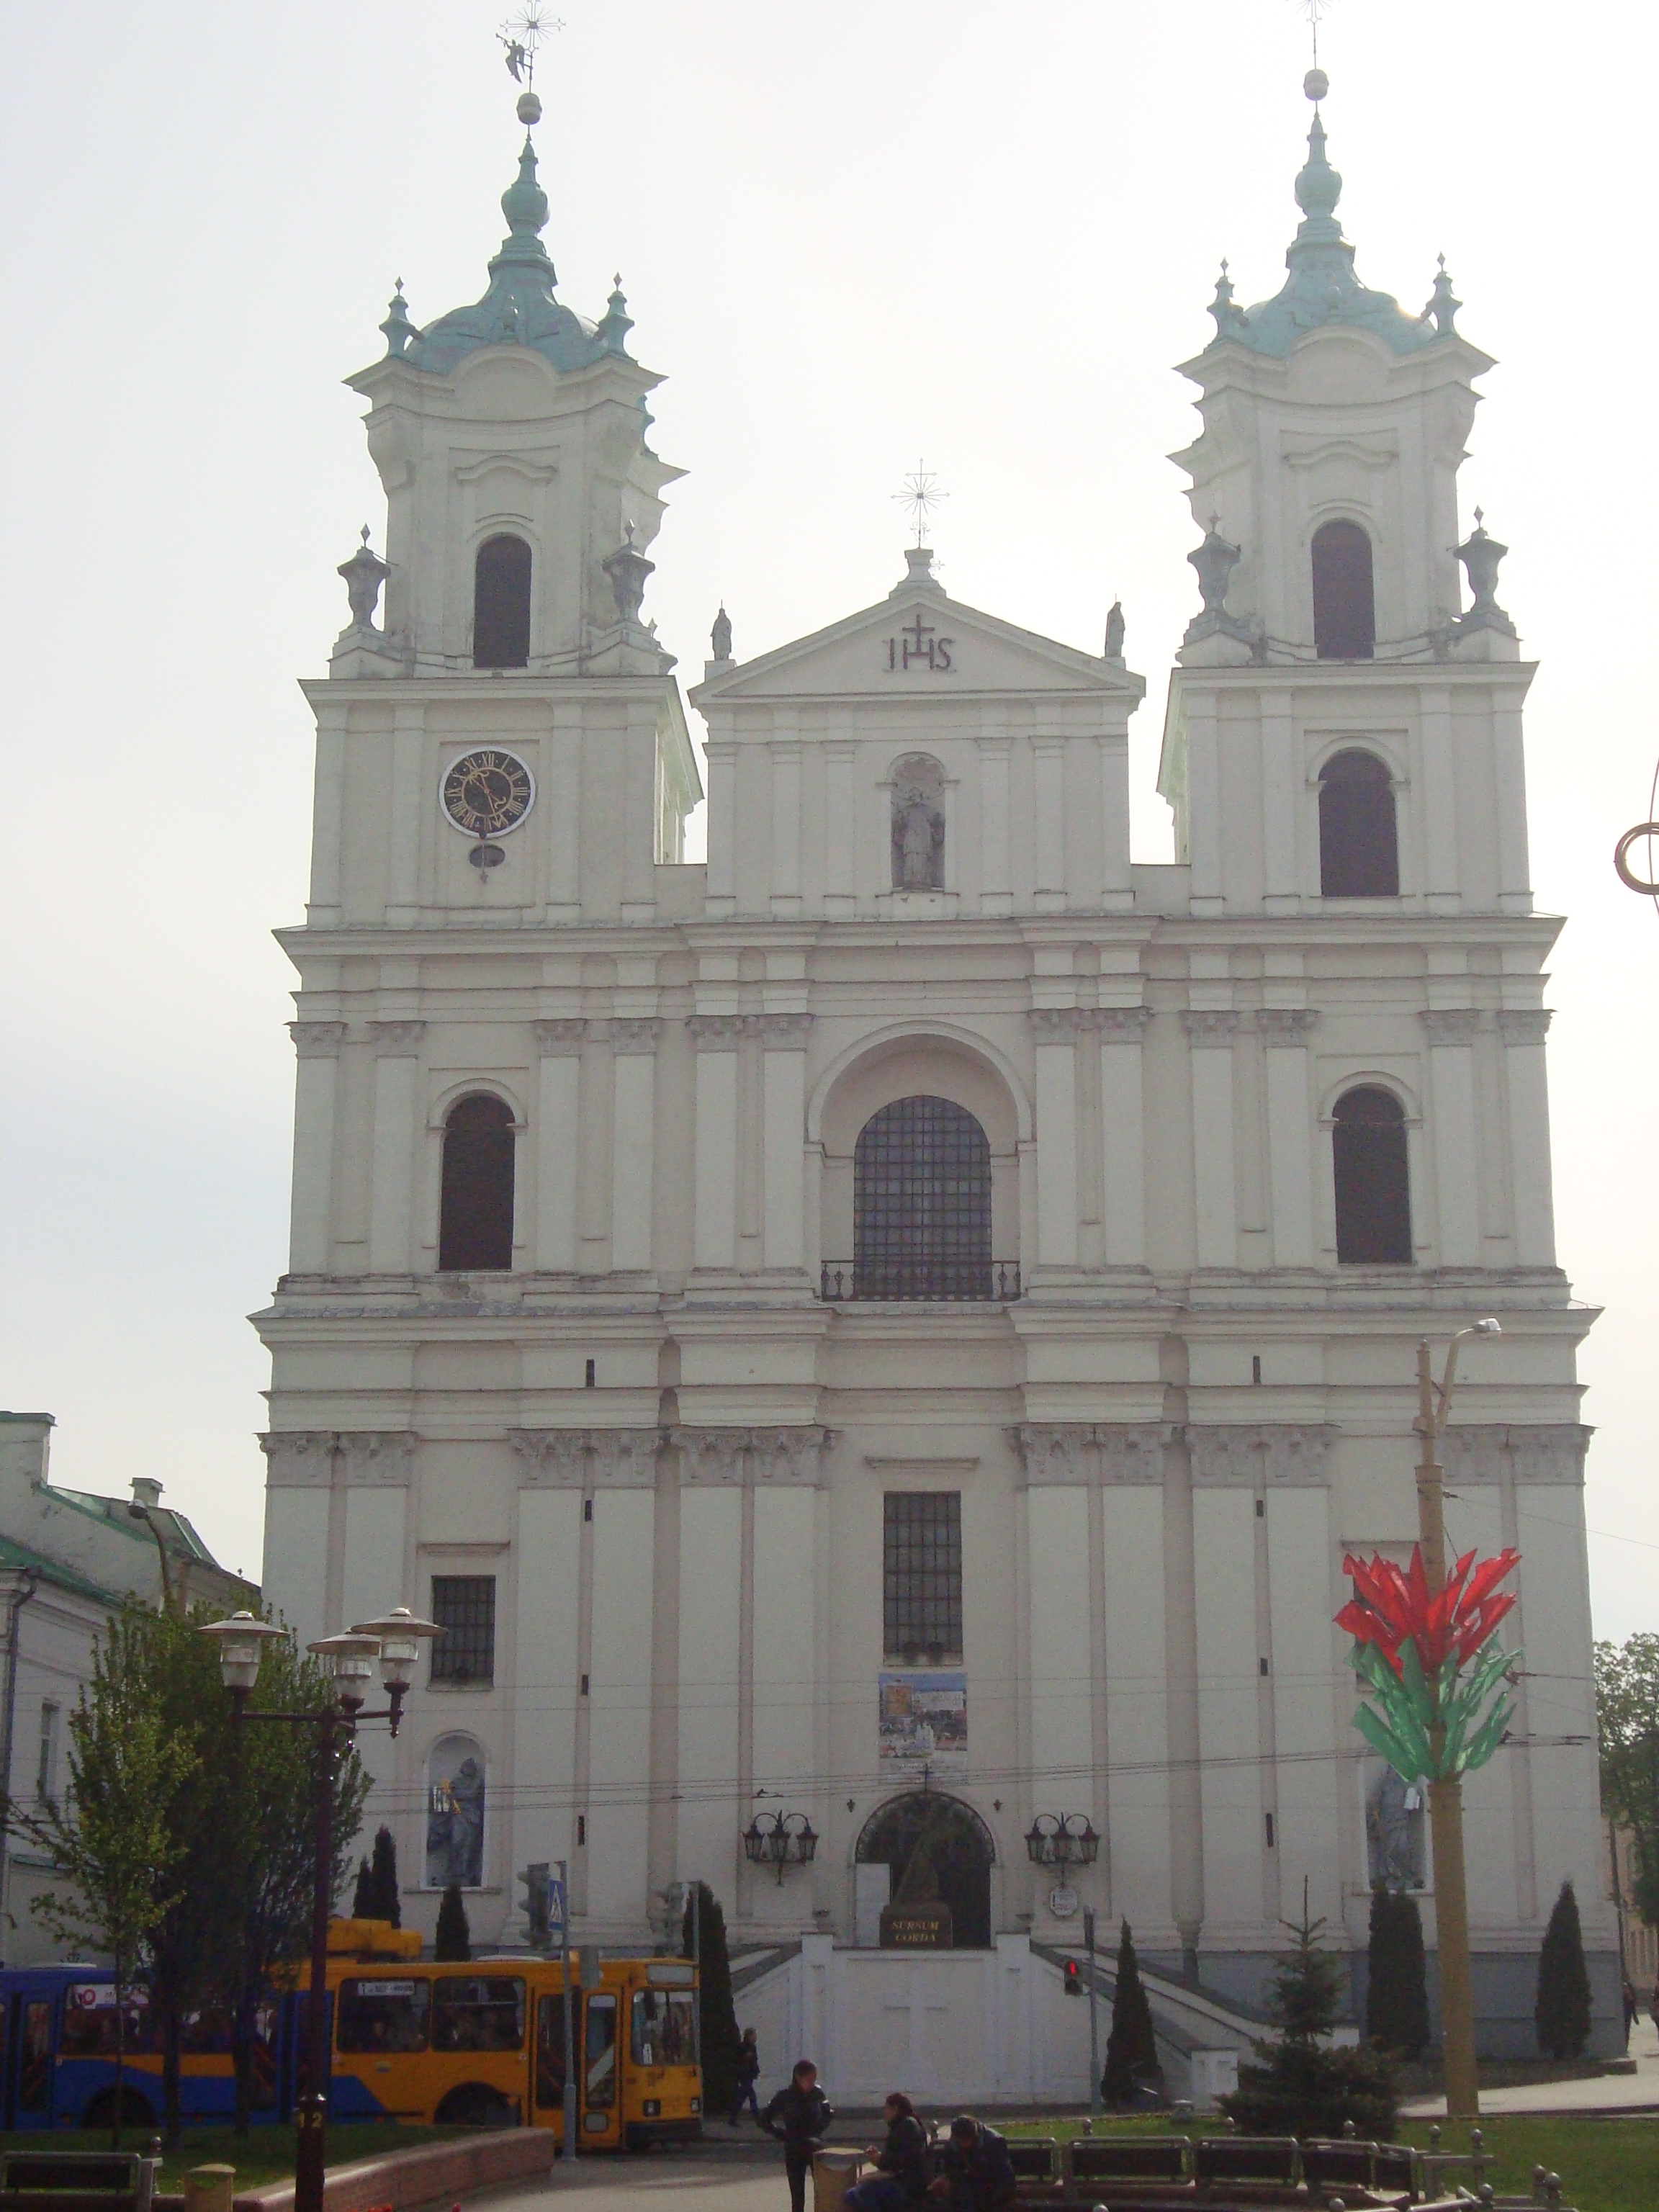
x,y
921,642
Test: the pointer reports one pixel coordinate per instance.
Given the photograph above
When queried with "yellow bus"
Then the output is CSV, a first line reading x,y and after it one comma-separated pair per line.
x,y
482,2045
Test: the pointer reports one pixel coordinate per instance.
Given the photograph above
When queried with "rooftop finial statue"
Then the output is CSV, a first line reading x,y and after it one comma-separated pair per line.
x,y
519,36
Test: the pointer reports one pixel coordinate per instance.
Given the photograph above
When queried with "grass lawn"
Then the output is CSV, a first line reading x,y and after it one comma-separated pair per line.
x,y
264,2153
1605,2165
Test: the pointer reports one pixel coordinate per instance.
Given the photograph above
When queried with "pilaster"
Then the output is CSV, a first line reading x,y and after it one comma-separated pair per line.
x,y
397,1059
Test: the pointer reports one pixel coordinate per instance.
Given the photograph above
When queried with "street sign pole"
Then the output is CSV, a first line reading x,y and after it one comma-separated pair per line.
x,y
1094,2029
570,2099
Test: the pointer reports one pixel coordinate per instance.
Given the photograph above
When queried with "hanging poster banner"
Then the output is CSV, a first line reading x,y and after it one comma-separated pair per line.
x,y
923,1722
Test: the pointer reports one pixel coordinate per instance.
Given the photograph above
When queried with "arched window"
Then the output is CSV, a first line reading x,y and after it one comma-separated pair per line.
x,y
921,1203
455,1775
939,1852
1359,851
475,1224
1373,1183
500,604
1344,606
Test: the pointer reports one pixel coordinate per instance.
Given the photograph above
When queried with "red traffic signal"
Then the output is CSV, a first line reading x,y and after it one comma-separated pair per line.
x,y
1071,1976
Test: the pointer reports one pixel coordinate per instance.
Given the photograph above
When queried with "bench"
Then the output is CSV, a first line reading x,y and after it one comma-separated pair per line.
x,y
77,2181
1332,2162
1091,2159
1234,2158
1036,2162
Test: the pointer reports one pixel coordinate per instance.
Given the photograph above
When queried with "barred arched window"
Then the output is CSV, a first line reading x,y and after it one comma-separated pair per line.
x,y
1344,601
475,1225
921,1203
1358,847
500,604
1373,1182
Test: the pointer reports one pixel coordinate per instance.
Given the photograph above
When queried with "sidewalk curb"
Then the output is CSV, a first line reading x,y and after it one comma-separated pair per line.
x,y
403,2180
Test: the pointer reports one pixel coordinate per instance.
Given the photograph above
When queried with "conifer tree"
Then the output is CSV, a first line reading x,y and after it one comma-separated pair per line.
x,y
1397,1985
383,1880
1562,2014
1302,2086
717,2011
362,1898
453,1940
1132,2047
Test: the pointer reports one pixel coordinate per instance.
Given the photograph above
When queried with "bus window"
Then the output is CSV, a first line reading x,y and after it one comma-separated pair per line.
x,y
477,2015
383,2015
89,2022
34,2058
664,2031
205,2034
549,2052
600,2049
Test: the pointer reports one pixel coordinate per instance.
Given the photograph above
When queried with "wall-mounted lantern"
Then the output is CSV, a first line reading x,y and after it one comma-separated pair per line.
x,y
780,1840
1062,1840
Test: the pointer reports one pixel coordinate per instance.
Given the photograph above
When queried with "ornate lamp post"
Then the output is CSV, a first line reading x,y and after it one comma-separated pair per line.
x,y
1062,1840
780,1840
394,1645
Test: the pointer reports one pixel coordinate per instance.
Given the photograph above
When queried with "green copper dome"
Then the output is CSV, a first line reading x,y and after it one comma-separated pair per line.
x,y
519,308
1322,287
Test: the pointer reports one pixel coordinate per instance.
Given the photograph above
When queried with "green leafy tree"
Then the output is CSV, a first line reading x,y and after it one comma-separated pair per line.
x,y
383,1880
111,1843
1627,1714
454,1938
1302,2086
717,2010
1131,2047
1397,1984
1562,2012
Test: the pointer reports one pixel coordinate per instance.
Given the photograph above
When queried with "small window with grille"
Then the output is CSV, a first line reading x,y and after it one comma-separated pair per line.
x,y
921,1576
464,1607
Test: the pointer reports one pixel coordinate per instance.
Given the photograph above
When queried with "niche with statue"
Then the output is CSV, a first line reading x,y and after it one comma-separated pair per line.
x,y
918,824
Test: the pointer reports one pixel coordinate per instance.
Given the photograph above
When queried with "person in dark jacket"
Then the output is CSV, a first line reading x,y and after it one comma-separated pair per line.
x,y
748,2070
799,2117
979,2174
903,2166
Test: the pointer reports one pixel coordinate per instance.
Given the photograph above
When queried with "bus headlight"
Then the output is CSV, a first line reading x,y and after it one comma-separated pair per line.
x,y
651,2108
696,2104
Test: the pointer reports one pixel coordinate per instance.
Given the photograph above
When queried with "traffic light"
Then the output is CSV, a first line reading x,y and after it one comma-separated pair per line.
x,y
1071,1976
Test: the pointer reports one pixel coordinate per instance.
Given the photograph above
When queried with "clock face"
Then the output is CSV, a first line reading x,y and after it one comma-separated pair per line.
x,y
487,792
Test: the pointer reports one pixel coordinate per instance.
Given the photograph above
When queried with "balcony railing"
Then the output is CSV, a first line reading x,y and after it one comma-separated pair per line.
x,y
989,1280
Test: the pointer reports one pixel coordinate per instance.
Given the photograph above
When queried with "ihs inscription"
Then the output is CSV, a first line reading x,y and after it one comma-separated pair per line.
x,y
919,646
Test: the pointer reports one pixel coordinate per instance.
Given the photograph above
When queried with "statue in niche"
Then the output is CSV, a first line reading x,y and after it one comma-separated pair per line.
x,y
918,825
455,1815
1393,1832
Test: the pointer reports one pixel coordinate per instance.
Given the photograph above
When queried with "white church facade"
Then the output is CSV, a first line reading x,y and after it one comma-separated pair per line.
x,y
893,1329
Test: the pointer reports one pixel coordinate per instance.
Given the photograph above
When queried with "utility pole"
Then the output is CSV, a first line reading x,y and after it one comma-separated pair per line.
x,y
568,2152
1094,2029
1451,1901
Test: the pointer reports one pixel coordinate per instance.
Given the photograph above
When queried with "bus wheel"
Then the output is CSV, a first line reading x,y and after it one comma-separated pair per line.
x,y
475,2105
136,2110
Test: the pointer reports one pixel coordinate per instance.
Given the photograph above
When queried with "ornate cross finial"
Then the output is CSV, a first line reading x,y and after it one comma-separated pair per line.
x,y
921,496
1313,12
521,34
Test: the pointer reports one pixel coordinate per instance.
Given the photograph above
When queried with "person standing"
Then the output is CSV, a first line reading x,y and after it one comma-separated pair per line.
x,y
903,2165
799,2117
748,2071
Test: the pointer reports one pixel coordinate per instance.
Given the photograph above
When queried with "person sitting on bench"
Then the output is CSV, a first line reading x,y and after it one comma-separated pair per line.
x,y
979,2175
902,2163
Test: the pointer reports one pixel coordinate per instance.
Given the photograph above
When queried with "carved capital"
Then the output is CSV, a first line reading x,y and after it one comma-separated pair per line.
x,y
1057,1025
1285,1025
396,1040
1208,1027
709,1458
633,1035
1122,1024
1549,1452
1472,1451
1524,1025
1054,1451
1226,1454
317,1040
1132,1451
1449,1025
377,1456
788,1455
299,1459
555,1038
785,1032
580,1459
713,1032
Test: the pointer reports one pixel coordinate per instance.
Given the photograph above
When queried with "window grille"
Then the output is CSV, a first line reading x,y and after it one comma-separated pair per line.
x,y
1372,1177
464,1607
921,1575
921,1203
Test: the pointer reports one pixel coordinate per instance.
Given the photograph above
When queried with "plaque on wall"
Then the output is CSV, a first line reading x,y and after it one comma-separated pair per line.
x,y
916,1927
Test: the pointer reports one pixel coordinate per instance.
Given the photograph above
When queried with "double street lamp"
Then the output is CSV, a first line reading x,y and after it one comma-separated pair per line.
x,y
393,1645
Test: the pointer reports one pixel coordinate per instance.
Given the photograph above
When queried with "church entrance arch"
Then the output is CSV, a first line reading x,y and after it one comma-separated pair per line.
x,y
950,1838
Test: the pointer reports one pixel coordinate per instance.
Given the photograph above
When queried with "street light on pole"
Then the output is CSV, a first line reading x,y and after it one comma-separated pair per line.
x,y
1451,1904
394,1645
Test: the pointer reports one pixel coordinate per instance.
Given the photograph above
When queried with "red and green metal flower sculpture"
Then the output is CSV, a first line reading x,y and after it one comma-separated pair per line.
x,y
1431,1720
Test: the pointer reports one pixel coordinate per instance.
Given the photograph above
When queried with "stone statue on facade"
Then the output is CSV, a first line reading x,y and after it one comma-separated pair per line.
x,y
454,1827
918,826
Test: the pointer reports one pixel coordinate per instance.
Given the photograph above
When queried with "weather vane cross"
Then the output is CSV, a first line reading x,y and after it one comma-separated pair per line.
x,y
921,496
1314,12
521,34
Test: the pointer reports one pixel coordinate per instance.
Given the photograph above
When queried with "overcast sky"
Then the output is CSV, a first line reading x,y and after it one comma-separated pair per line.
x,y
850,236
